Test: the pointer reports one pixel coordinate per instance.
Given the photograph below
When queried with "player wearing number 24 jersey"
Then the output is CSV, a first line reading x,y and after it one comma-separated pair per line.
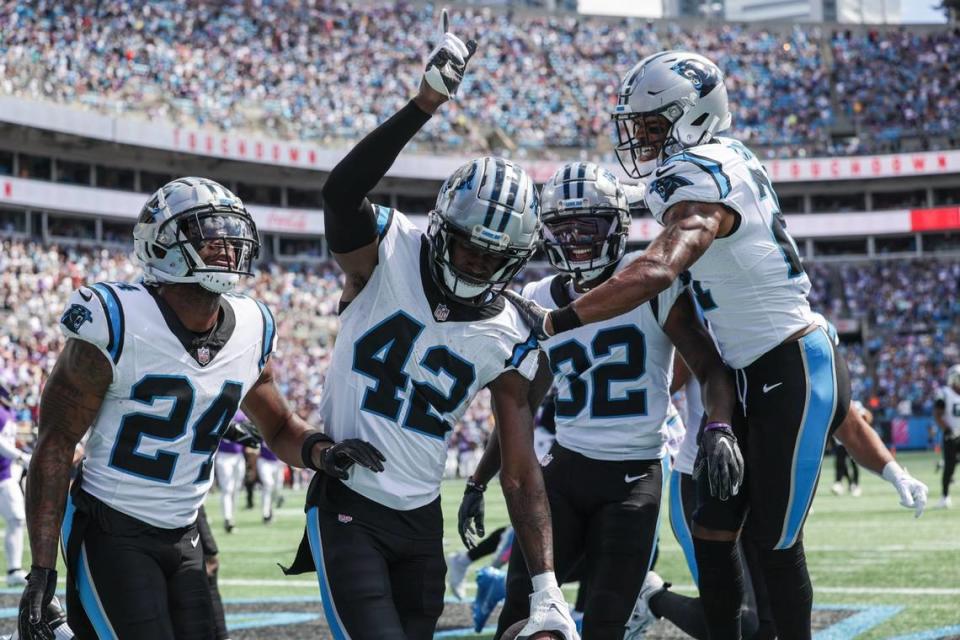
x,y
723,230
155,371
423,329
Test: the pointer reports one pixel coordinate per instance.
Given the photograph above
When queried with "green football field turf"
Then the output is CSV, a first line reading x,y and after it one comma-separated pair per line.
x,y
865,552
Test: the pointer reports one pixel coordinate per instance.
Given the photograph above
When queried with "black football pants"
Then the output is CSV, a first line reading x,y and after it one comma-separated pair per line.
x,y
130,580
606,512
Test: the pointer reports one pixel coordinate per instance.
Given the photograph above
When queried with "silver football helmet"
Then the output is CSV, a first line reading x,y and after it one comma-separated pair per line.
x,y
686,89
953,377
189,217
489,209
586,219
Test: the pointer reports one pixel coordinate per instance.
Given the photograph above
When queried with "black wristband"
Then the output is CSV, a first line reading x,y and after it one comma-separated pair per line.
x,y
307,447
472,485
564,319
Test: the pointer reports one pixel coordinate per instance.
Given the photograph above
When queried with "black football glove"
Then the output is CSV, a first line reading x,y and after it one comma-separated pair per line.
x,y
470,516
338,459
719,456
533,314
37,595
448,61
244,433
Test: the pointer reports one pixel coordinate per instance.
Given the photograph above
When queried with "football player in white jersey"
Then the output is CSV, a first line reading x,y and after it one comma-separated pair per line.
x,y
722,223
605,472
155,371
946,413
423,329
656,601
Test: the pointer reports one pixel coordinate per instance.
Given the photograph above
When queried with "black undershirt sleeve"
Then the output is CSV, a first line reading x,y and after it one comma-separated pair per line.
x,y
348,216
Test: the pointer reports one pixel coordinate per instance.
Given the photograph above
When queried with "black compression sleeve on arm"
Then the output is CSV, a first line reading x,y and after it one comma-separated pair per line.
x,y
348,217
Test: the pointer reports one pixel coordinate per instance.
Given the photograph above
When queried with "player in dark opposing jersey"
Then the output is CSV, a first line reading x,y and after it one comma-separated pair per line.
x,y
423,329
605,472
155,371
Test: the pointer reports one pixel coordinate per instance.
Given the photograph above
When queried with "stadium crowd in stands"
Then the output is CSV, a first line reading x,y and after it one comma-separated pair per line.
x,y
910,311
541,83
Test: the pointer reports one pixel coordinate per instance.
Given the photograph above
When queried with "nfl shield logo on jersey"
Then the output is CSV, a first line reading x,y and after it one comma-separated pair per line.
x,y
441,313
203,355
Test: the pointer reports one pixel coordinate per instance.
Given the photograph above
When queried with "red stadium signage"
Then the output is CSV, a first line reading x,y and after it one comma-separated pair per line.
x,y
944,218
244,148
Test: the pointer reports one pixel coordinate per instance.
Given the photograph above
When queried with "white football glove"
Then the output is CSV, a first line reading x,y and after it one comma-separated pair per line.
x,y
448,60
25,459
913,493
549,612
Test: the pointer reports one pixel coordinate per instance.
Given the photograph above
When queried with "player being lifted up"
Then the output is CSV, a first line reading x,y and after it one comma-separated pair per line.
x,y
155,370
722,223
604,476
423,329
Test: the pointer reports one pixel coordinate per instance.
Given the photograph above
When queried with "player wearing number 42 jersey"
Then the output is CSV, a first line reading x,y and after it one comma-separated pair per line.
x,y
722,224
423,329
155,370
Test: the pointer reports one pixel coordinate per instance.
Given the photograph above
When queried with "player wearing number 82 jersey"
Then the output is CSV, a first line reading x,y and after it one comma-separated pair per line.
x,y
604,475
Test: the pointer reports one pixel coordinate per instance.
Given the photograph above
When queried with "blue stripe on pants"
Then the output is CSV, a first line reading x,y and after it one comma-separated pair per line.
x,y
84,579
664,472
91,599
681,528
821,404
316,549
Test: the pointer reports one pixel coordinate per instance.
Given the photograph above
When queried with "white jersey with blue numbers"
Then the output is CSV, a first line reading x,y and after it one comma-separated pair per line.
x,y
951,409
407,363
750,283
151,449
613,377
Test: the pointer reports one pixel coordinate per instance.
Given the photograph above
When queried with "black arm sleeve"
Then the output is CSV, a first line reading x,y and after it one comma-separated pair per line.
x,y
347,214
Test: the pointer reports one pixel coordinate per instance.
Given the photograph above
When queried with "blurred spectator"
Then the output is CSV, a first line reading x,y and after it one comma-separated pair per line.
x,y
541,84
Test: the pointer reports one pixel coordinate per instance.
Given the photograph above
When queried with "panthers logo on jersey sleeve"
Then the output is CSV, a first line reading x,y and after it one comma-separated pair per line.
x,y
93,314
687,176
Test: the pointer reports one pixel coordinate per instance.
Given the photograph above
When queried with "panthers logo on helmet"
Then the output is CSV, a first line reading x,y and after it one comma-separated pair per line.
x,y
667,185
75,316
704,78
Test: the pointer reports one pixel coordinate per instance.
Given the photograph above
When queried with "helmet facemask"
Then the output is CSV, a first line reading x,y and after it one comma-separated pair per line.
x,y
473,267
212,243
584,242
643,138
218,247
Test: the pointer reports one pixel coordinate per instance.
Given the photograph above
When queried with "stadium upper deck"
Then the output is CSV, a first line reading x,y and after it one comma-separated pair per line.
x,y
541,85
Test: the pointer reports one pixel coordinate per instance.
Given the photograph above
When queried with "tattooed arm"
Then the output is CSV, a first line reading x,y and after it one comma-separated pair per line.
x,y
70,403
520,476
